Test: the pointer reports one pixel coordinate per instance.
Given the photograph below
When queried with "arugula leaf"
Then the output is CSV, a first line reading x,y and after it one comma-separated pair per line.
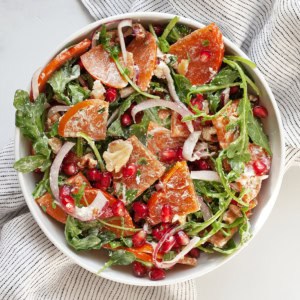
x,y
61,78
182,86
130,195
77,93
43,186
118,257
80,193
54,130
29,163
178,32
162,40
86,235
226,76
257,134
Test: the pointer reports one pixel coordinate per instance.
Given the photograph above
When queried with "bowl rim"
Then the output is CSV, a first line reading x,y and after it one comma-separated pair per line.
x,y
271,201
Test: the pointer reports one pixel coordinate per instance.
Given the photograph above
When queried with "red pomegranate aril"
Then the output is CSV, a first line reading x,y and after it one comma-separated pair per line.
x,y
234,89
202,164
158,29
130,170
168,245
182,238
198,101
106,179
234,202
160,230
118,208
140,210
260,168
126,120
168,155
71,157
65,190
157,274
166,213
139,239
179,154
195,253
70,169
139,269
94,175
260,111
68,202
111,94
205,56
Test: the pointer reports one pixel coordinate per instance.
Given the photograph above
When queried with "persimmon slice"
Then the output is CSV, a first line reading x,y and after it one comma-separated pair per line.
x,y
144,56
159,139
89,117
149,170
178,191
54,211
204,48
100,65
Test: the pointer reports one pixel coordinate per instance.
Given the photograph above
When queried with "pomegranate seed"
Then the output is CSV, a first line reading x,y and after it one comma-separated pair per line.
x,y
126,120
111,94
157,274
65,190
198,101
106,212
234,202
182,238
195,253
168,155
38,171
202,164
259,167
176,245
159,231
71,157
234,90
94,175
139,239
139,269
118,209
205,55
140,210
179,154
130,170
158,29
168,244
68,202
70,169
260,111
131,107
166,213
106,179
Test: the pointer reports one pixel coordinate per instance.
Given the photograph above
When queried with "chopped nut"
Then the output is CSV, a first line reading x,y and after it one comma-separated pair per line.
x,y
183,66
52,119
98,90
209,134
87,160
117,155
55,144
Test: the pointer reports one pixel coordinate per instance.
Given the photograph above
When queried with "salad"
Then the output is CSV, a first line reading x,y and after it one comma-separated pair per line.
x,y
147,142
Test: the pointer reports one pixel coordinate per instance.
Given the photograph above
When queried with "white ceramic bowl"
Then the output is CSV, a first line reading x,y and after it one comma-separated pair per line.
x,y
94,260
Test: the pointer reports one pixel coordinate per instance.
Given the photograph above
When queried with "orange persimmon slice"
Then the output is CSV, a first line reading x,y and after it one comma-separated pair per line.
x,y
144,56
204,48
60,59
178,191
55,211
101,66
89,117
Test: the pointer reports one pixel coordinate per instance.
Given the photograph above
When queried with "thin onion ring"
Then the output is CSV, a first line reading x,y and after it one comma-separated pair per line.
x,y
205,175
121,25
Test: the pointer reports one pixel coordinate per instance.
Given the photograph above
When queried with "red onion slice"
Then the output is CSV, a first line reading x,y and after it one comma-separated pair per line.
x,y
180,255
159,102
57,108
55,167
121,25
189,146
205,209
91,212
34,83
205,175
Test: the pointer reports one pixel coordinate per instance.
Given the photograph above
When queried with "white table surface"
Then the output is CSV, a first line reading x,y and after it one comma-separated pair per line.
x,y
269,268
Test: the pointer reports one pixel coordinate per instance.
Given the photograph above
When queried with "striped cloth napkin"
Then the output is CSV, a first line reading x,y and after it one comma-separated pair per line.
x,y
30,265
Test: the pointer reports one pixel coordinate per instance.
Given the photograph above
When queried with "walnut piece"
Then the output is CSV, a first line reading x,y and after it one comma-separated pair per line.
x,y
87,160
55,144
117,155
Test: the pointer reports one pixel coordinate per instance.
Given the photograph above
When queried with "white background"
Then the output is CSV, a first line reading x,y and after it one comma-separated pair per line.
x,y
269,268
